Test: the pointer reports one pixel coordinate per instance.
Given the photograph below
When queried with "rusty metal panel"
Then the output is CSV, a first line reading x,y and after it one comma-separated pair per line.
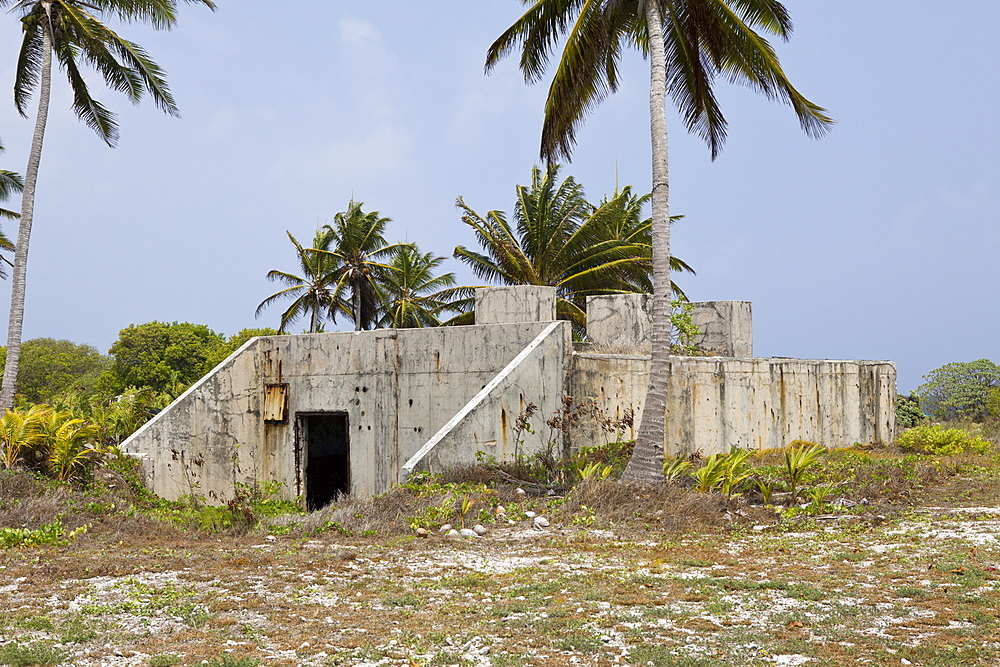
x,y
276,403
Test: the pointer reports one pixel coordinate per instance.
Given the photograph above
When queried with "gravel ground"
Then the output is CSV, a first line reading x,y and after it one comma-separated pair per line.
x,y
920,590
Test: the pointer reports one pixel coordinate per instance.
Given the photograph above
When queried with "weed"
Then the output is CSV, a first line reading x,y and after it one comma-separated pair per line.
x,y
54,533
674,469
799,456
164,660
578,641
31,655
226,660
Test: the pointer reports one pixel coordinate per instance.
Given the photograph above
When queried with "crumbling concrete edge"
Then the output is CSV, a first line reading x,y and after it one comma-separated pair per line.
x,y
123,445
476,401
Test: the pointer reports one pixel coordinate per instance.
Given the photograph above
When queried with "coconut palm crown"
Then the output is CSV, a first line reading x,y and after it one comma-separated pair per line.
x,y
561,240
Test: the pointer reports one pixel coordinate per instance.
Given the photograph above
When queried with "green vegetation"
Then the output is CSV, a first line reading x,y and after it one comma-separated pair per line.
x,y
960,391
54,533
10,183
908,412
936,439
166,357
31,655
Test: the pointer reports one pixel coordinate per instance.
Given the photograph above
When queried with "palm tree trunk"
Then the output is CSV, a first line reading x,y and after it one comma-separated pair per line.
x,y
19,276
646,463
356,305
314,316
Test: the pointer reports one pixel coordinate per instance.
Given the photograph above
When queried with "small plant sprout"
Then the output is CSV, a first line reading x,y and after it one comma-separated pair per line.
x,y
673,469
765,487
799,456
468,502
594,470
818,495
735,471
708,477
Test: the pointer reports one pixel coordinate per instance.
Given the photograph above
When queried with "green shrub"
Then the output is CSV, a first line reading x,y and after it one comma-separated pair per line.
x,y
936,439
31,655
908,412
52,533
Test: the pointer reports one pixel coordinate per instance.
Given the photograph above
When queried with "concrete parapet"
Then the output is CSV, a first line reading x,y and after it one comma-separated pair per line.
x,y
517,303
716,403
620,321
726,328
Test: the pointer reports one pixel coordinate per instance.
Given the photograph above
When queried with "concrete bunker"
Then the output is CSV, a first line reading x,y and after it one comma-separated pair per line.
x,y
356,412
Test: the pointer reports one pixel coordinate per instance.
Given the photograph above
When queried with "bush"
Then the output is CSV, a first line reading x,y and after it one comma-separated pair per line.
x,y
960,390
993,403
936,439
908,412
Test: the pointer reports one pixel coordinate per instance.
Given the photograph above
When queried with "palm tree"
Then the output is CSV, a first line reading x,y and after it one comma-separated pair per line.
x,y
73,30
358,245
689,43
313,291
561,240
412,296
9,184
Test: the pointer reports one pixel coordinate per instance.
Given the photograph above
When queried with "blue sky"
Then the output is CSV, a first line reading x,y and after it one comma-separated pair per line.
x,y
879,241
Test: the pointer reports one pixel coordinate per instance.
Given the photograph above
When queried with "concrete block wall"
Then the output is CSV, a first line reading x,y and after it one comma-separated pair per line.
x,y
726,328
520,303
487,423
716,403
620,321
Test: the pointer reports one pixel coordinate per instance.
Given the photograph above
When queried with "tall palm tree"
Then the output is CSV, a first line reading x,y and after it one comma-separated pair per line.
x,y
688,43
358,244
413,296
72,30
561,240
313,292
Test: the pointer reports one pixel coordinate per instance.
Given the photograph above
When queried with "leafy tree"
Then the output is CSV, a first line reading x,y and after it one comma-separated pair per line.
x,y
561,240
413,296
51,367
358,245
164,357
960,390
688,43
314,292
72,30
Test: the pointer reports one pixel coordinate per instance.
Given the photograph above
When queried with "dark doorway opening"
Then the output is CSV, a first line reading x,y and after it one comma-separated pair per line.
x,y
326,444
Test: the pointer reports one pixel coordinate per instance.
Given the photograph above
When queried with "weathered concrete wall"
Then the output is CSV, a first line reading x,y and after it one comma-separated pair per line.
x,y
621,321
520,303
397,388
716,403
211,436
487,422
726,328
